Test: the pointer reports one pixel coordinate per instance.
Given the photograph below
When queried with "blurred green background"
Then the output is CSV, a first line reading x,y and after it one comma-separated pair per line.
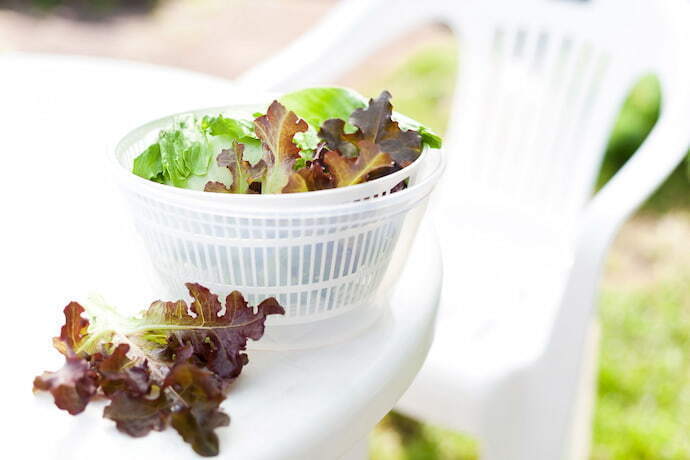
x,y
643,400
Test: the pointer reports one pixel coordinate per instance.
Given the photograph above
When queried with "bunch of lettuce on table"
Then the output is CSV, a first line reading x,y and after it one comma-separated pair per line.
x,y
171,366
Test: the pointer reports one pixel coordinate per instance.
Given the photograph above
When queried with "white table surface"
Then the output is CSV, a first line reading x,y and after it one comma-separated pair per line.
x,y
65,234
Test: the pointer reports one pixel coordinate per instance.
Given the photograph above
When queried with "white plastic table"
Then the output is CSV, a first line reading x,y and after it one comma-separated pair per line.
x,y
65,233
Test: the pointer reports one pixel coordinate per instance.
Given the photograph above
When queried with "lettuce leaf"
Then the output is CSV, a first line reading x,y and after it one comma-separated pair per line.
x,y
277,130
170,366
242,172
235,130
137,416
221,126
351,171
316,105
186,150
316,177
202,393
180,153
429,137
374,125
307,141
72,386
216,339
149,165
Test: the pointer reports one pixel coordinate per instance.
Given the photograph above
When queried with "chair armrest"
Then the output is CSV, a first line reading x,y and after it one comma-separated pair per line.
x,y
659,155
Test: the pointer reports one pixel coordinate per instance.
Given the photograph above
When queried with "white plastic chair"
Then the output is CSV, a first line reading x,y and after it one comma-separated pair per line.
x,y
540,85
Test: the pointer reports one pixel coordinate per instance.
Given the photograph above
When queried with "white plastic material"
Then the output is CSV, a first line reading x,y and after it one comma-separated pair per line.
x,y
539,87
322,254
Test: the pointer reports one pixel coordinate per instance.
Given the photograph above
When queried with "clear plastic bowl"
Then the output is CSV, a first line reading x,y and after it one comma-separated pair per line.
x,y
322,254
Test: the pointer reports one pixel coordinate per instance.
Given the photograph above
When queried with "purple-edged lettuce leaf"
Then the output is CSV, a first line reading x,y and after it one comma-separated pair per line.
x,y
350,171
217,340
200,393
242,172
170,366
73,385
138,415
277,130
374,125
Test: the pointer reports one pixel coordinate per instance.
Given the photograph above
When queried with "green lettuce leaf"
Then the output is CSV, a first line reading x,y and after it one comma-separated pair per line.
x,y
316,105
185,152
307,141
233,128
149,165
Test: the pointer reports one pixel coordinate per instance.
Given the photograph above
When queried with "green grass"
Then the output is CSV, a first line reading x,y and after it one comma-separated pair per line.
x,y
400,438
643,402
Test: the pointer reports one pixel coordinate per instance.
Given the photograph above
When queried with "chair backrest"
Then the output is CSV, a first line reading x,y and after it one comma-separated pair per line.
x,y
539,87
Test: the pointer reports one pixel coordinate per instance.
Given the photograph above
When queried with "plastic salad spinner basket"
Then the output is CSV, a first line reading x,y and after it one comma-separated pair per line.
x,y
325,255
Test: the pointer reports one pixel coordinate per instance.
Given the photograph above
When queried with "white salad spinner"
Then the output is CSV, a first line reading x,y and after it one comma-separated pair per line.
x,y
322,254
